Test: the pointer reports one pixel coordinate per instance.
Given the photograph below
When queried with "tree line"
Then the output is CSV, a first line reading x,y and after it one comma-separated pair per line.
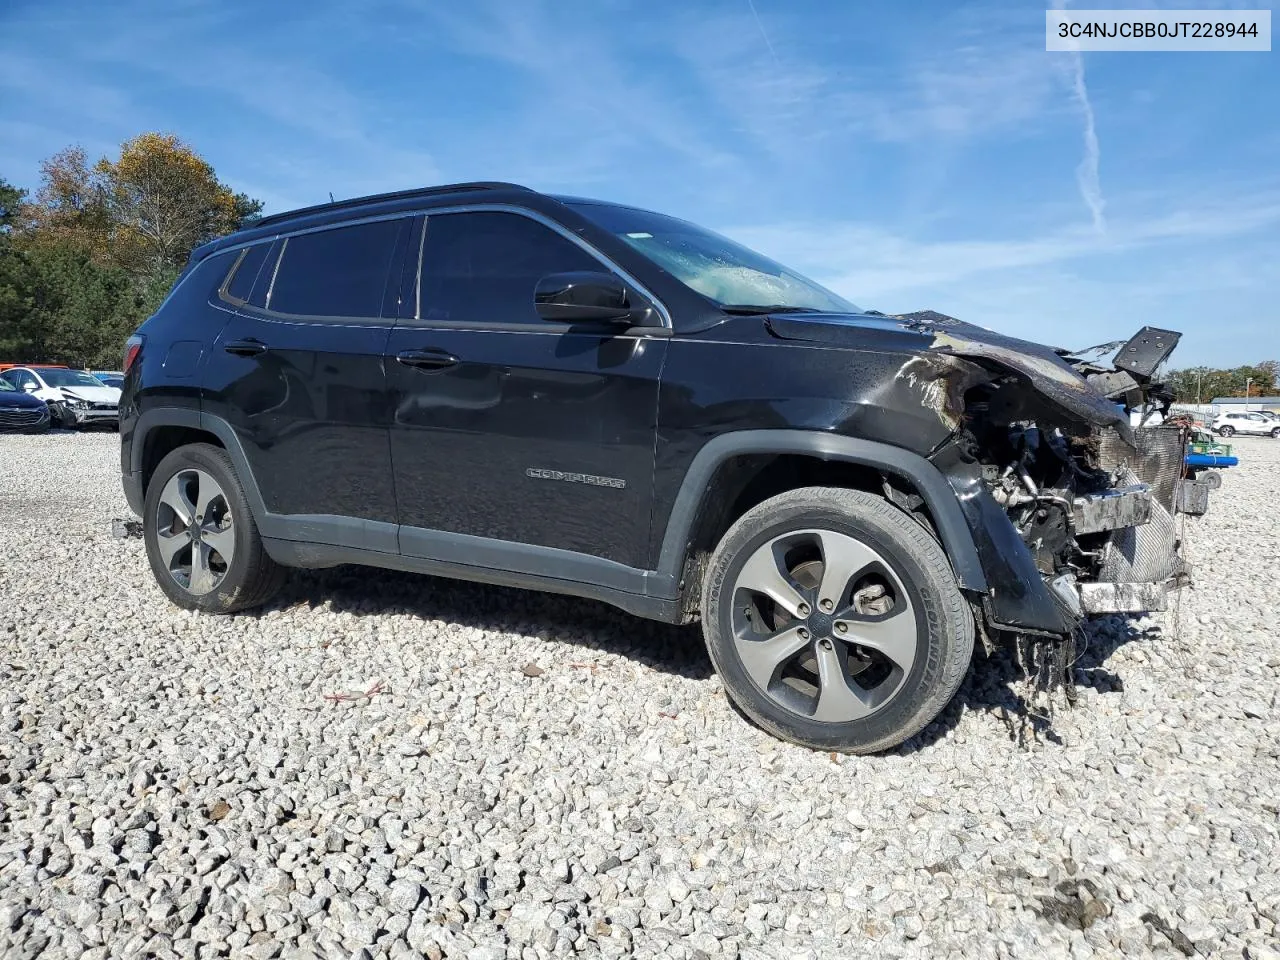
x,y
1202,384
93,252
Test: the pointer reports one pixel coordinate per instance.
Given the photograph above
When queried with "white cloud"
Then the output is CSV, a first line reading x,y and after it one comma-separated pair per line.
x,y
590,105
974,78
1216,262
867,261
1087,172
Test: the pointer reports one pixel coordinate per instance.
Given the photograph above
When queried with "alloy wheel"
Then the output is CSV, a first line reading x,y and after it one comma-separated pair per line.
x,y
823,625
195,531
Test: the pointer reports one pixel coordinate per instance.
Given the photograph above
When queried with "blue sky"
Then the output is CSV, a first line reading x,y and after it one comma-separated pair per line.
x,y
908,155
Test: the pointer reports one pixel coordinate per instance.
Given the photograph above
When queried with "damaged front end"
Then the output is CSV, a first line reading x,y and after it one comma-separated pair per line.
x,y
1072,508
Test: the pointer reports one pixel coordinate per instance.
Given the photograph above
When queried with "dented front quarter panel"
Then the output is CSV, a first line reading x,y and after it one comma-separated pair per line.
x,y
740,376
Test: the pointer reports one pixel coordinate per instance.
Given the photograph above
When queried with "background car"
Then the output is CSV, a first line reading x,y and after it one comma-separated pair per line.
x,y
75,398
1228,424
112,378
20,411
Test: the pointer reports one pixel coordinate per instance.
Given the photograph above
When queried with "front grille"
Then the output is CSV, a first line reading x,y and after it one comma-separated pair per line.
x,y
103,406
1159,460
23,417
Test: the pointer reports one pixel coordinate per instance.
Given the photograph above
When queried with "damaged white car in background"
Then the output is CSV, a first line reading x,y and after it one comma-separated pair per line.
x,y
75,398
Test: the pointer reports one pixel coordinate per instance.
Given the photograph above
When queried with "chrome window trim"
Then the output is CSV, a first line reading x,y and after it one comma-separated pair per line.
x,y
417,277
275,269
224,290
428,212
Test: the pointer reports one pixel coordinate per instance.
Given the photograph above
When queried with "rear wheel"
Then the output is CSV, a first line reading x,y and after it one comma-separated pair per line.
x,y
835,620
204,548
1275,433
1226,431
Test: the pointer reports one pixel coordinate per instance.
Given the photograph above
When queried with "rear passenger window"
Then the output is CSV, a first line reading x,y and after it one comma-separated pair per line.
x,y
245,272
482,267
336,273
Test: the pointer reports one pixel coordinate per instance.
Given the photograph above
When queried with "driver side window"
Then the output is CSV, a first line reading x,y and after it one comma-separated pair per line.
x,y
482,267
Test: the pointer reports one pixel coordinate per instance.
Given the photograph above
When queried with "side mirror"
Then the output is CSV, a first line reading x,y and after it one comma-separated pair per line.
x,y
582,296
30,387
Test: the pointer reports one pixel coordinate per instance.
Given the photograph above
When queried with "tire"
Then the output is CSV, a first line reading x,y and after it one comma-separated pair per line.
x,y
1226,431
1275,433
908,564
191,477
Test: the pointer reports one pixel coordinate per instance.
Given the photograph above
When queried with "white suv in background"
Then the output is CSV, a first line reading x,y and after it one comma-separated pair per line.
x,y
1227,424
75,398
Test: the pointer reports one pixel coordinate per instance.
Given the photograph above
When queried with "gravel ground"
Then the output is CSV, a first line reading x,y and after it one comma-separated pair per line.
x,y
382,764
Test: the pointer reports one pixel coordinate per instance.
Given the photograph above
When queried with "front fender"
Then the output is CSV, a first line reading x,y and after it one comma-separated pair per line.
x,y
927,479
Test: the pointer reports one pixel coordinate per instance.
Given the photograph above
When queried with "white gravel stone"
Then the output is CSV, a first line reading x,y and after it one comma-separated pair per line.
x,y
174,784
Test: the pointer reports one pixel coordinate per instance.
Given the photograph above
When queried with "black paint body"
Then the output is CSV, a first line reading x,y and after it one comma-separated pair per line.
x,y
574,458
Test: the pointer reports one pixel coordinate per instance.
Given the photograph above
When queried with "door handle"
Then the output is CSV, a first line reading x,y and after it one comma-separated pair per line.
x,y
427,359
245,348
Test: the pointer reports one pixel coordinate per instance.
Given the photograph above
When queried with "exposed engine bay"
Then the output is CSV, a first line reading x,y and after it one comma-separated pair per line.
x,y
1080,504
1093,499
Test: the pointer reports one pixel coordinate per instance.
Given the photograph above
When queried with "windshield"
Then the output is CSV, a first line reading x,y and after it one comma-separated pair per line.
x,y
713,265
6,385
55,377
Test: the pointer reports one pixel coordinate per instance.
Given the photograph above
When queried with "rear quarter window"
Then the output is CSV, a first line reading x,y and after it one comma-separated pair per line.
x,y
341,272
244,273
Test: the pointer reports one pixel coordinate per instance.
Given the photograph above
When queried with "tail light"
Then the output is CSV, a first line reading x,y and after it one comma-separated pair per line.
x,y
131,348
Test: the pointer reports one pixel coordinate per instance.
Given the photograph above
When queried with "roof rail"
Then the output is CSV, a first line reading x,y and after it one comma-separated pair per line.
x,y
379,197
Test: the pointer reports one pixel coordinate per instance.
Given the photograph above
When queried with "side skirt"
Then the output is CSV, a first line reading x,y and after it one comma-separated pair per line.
x,y
293,553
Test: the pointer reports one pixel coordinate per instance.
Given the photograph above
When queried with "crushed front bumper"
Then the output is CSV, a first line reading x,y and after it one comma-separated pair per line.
x,y
84,415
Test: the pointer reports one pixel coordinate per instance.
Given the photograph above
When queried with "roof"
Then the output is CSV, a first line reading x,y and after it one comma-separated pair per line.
x,y
1273,401
384,197
379,202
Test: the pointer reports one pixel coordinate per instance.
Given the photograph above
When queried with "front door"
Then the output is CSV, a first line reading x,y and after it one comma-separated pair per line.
x,y
298,373
507,428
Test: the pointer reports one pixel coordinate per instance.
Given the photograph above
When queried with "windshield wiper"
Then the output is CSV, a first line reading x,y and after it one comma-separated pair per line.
x,y
754,309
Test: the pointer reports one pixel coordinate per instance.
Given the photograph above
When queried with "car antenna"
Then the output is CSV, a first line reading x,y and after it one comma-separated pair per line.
x,y
331,196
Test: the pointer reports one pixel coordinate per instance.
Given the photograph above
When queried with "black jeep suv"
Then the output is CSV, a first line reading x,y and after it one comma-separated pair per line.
x,y
485,382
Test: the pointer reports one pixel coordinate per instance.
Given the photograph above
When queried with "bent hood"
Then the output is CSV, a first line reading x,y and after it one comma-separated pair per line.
x,y
103,394
1040,365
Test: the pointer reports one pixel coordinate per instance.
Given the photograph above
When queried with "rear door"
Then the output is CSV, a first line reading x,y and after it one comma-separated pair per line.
x,y
510,428
298,373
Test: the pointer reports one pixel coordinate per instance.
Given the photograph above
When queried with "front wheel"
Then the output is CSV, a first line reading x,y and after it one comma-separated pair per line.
x,y
1226,431
835,621
1275,433
203,545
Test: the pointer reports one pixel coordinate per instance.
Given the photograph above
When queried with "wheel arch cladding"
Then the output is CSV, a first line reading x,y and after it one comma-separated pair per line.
x,y
696,494
167,424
